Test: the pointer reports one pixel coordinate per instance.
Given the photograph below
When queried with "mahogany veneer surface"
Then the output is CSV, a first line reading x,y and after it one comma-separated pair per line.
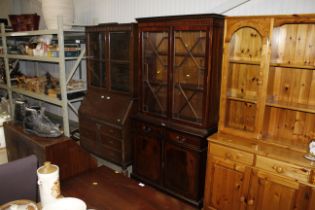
x,y
103,189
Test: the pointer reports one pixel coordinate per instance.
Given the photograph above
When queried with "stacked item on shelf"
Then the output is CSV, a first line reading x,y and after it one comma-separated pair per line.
x,y
14,69
43,45
46,84
24,22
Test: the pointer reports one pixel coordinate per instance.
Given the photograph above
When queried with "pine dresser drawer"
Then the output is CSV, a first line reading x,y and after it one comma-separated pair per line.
x,y
231,154
282,168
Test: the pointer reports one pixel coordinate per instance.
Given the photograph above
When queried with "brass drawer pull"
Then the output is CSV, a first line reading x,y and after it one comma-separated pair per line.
x,y
278,169
180,139
146,129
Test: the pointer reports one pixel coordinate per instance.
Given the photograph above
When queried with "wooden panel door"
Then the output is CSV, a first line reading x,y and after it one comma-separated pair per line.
x,y
147,158
272,192
226,186
184,178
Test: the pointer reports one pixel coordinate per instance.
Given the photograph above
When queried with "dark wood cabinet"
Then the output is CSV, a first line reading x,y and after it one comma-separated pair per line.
x,y
179,79
62,151
104,113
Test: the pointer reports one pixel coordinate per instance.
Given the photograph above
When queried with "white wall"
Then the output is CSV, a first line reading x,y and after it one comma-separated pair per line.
x,y
7,7
97,11
101,11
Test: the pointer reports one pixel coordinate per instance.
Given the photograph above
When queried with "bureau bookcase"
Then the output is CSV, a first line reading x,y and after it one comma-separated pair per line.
x,y
179,75
104,113
267,116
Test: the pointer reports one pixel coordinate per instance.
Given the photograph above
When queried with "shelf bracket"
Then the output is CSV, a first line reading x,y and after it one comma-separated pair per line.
x,y
77,63
73,109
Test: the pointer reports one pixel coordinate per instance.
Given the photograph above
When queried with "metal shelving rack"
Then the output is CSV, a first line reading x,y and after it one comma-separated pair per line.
x,y
64,103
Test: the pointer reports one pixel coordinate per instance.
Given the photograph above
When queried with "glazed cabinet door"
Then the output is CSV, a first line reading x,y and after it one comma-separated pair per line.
x,y
119,61
226,186
147,153
272,192
189,73
183,170
96,59
154,71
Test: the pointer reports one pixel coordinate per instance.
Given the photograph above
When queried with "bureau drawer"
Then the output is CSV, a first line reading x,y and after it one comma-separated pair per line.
x,y
184,139
148,130
110,142
111,155
111,131
231,154
282,168
100,150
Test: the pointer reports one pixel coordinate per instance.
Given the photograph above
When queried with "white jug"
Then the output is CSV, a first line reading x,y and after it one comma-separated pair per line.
x,y
48,183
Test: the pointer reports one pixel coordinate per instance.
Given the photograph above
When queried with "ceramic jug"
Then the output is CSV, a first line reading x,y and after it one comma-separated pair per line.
x,y
48,183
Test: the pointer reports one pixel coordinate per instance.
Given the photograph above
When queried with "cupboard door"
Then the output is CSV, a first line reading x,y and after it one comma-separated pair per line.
x,y
189,74
271,192
226,186
96,59
154,64
182,171
147,158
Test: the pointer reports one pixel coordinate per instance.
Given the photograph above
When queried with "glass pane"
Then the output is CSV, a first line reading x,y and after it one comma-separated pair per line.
x,y
154,75
119,76
119,61
96,61
119,45
189,75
